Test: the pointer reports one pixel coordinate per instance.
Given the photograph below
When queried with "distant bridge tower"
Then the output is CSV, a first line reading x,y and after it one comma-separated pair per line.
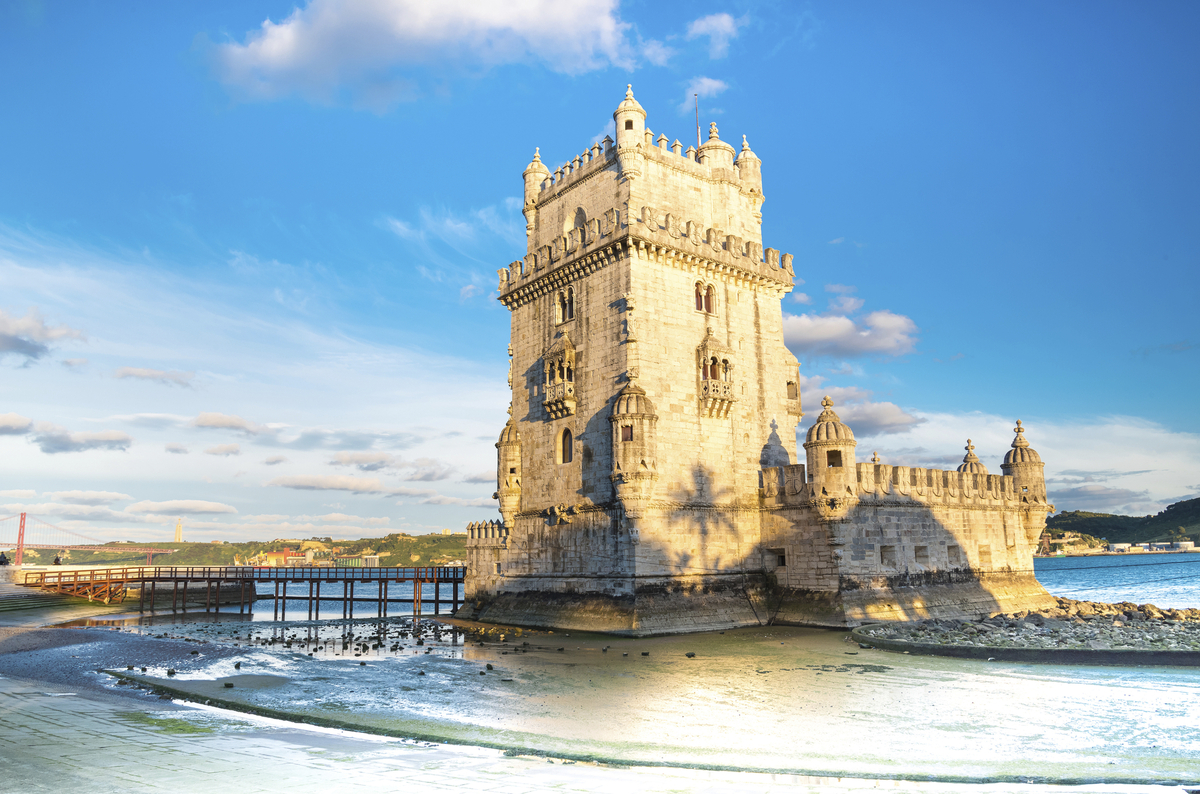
x,y
179,530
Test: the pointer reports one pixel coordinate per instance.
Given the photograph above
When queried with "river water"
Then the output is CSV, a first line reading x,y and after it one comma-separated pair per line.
x,y
768,698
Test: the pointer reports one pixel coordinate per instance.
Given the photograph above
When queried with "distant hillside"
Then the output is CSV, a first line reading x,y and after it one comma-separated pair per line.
x,y
395,550
1133,529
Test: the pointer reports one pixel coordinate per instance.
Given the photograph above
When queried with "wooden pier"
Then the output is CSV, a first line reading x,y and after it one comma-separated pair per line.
x,y
113,585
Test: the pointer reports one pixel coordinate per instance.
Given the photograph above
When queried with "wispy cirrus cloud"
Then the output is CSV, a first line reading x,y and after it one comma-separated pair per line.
x,y
181,507
426,469
373,53
343,482
29,336
53,439
224,450
165,377
88,497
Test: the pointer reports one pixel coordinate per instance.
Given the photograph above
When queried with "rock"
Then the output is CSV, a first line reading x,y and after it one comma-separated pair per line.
x,y
490,667
690,655
171,671
645,653
228,685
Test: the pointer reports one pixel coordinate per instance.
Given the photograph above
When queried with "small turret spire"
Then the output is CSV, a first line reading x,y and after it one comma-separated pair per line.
x,y
1019,441
629,91
875,458
712,132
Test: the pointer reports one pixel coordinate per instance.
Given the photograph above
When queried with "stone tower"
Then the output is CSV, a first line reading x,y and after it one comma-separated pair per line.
x,y
648,478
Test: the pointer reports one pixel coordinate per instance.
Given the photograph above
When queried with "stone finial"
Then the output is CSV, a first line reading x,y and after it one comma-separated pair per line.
x,y
826,403
1019,441
875,458
745,144
537,153
629,91
712,132
971,456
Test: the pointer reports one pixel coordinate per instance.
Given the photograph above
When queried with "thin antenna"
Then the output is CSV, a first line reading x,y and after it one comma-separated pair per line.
x,y
697,98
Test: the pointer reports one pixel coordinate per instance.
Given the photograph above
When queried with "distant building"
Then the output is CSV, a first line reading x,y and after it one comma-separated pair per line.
x,y
1183,545
1118,547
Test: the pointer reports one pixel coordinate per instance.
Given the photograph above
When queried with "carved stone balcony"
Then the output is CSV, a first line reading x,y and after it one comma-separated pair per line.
x,y
716,398
560,399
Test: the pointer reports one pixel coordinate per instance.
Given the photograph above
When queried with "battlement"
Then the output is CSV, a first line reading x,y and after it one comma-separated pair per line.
x,y
876,482
487,533
652,232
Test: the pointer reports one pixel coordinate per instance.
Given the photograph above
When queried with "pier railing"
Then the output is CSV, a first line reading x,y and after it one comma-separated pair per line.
x,y
114,585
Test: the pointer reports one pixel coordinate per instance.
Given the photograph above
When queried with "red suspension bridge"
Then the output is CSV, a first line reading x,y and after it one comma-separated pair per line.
x,y
23,531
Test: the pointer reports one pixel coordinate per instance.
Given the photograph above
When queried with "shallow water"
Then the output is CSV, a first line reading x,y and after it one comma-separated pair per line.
x,y
1165,580
772,698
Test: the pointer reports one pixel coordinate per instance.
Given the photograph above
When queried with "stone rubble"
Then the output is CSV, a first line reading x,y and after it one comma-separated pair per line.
x,y
1073,624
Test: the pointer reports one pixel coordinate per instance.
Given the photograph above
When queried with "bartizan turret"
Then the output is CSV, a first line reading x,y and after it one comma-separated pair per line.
x,y
1025,466
829,448
971,463
508,472
535,174
635,453
630,119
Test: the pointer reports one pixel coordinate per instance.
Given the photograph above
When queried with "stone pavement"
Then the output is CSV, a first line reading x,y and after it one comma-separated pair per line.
x,y
53,739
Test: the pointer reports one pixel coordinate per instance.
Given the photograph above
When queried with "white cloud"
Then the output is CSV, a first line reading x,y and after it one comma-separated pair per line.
x,y
53,439
14,425
845,304
180,507
176,449
702,86
330,482
426,469
800,297
224,450
275,460
854,406
485,477
656,52
74,363
342,518
229,422
88,497
19,494
878,333
371,50
167,378
720,29
454,500
80,513
28,336
840,289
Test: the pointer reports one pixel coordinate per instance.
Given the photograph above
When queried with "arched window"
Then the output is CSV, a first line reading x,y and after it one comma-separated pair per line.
x,y
710,299
565,446
570,304
699,297
570,375
724,369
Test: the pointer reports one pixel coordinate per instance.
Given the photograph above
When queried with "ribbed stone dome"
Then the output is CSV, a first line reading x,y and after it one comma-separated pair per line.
x,y
1021,452
633,400
509,435
828,426
971,463
630,103
536,166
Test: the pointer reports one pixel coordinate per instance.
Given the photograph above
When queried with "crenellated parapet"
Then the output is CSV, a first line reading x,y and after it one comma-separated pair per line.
x,y
486,533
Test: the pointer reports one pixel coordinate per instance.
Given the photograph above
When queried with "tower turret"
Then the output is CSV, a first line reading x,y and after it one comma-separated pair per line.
x,y
508,472
535,173
749,167
1025,466
715,153
829,449
630,118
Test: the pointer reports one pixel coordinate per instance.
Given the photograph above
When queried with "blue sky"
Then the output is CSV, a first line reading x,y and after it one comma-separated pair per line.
x,y
248,250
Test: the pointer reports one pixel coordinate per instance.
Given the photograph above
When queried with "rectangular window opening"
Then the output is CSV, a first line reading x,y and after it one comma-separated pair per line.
x,y
887,556
497,567
954,555
626,432
921,555
985,556
833,458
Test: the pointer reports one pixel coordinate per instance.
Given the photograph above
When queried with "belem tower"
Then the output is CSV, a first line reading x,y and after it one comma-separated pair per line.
x,y
649,479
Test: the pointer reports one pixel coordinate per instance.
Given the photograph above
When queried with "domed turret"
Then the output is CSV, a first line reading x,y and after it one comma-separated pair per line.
x,y
1025,466
971,463
508,472
749,167
630,118
829,427
535,174
829,448
715,153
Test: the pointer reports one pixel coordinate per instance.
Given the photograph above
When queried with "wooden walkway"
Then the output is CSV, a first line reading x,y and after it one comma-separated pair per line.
x,y
113,585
